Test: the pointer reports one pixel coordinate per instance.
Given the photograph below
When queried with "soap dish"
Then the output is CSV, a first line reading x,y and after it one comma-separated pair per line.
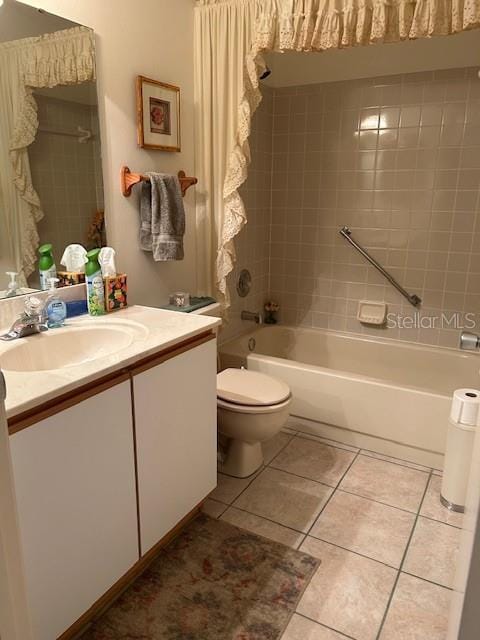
x,y
372,312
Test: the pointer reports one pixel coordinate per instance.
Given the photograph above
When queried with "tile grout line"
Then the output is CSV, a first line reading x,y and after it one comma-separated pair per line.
x,y
325,626
436,584
385,504
333,493
399,572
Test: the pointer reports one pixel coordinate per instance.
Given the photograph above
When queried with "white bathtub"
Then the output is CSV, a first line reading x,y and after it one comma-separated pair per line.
x,y
381,394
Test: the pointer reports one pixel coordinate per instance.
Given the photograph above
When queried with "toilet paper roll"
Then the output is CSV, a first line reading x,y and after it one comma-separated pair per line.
x,y
465,406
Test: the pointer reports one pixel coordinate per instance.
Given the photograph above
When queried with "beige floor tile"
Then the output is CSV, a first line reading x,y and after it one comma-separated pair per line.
x,y
386,482
300,628
263,527
213,508
348,593
370,528
433,508
433,552
437,472
284,498
314,460
275,445
418,611
229,488
404,463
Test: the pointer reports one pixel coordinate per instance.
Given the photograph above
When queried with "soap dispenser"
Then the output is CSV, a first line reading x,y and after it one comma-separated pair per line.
x,y
12,287
55,307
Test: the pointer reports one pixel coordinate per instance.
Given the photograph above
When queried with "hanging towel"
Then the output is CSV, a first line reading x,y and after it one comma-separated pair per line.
x,y
162,217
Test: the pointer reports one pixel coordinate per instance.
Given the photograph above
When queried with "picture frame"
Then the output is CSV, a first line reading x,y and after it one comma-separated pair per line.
x,y
158,115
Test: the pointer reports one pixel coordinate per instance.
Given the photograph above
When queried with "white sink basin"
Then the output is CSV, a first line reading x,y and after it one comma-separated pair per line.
x,y
69,346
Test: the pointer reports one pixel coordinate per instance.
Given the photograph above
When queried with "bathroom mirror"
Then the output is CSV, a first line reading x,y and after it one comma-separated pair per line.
x,y
51,187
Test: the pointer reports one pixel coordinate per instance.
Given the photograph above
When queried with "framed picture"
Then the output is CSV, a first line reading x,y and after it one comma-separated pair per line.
x,y
158,115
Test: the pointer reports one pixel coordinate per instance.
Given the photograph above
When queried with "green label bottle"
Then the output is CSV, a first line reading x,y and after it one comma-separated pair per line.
x,y
46,266
94,284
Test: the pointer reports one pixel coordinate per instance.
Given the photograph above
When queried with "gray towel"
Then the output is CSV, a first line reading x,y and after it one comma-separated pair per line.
x,y
162,217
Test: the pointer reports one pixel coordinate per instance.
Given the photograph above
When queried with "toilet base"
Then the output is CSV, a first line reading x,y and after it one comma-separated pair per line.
x,y
242,458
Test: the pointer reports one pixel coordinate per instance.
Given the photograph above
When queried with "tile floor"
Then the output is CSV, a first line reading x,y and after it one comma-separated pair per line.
x,y
388,548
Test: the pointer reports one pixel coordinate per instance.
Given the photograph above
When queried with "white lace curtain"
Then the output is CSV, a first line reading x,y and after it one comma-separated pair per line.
x,y
62,57
230,38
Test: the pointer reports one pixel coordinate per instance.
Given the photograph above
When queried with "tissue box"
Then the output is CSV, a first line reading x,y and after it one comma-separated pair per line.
x,y
69,278
115,292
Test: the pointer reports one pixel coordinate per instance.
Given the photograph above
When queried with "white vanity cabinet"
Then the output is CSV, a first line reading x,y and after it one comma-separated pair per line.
x,y
175,431
74,477
103,474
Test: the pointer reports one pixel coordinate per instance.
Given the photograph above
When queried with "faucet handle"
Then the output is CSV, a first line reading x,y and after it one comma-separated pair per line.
x,y
469,341
33,306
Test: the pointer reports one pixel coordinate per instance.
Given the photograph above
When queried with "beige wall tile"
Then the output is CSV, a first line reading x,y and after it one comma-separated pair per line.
x,y
396,154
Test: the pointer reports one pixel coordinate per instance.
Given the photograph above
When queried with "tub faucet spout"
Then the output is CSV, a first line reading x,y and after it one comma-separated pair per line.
x,y
251,316
469,341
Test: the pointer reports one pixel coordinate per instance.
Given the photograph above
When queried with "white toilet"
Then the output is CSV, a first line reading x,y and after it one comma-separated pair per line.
x,y
252,407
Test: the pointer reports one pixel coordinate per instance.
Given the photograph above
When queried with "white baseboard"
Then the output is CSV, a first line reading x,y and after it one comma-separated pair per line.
x,y
364,441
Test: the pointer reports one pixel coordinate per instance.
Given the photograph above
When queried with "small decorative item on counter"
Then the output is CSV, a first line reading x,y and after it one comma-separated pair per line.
x,y
46,266
271,310
180,299
116,292
94,283
73,259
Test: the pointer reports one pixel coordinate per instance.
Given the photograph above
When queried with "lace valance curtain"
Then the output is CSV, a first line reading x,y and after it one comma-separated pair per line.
x,y
59,58
230,38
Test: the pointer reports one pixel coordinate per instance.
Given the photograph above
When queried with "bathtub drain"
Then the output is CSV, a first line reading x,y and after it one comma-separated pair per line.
x,y
252,343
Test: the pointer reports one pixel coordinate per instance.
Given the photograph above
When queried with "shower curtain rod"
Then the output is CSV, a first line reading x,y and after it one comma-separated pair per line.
x,y
412,298
82,134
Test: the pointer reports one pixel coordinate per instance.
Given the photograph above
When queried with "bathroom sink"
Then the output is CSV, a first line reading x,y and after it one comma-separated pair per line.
x,y
69,346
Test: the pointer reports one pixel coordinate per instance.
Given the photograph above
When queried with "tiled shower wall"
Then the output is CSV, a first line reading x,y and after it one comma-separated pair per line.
x,y
397,159
252,244
66,173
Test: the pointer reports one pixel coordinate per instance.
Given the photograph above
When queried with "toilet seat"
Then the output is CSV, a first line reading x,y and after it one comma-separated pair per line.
x,y
248,408
250,391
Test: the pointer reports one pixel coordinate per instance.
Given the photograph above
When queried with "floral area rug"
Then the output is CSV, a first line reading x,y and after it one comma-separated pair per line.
x,y
214,582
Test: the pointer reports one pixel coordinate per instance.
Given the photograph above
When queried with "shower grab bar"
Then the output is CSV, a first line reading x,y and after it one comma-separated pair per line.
x,y
411,297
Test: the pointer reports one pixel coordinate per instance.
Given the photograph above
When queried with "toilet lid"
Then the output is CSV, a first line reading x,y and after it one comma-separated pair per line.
x,y
250,388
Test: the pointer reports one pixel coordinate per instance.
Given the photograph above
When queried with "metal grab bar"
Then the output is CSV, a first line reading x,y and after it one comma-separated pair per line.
x,y
412,298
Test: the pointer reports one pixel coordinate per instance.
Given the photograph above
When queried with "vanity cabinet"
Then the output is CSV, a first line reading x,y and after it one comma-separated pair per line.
x,y
175,431
104,474
74,477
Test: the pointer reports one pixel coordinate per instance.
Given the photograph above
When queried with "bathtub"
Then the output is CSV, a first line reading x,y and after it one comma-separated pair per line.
x,y
388,396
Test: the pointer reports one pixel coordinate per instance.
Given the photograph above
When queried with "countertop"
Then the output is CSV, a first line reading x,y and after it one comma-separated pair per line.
x,y
157,330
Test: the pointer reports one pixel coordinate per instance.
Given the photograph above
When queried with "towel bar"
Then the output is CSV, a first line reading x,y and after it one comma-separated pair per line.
x,y
128,179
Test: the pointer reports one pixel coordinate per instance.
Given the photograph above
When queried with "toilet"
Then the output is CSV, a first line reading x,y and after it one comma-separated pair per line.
x,y
252,407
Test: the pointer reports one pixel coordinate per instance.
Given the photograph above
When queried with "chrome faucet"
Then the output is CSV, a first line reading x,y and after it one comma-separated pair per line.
x,y
32,320
469,341
251,316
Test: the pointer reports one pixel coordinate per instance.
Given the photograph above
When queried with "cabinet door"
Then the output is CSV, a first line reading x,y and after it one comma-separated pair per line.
x,y
176,434
74,479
